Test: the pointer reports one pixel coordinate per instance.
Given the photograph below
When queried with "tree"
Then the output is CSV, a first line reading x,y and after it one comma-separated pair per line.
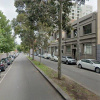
x,y
6,39
53,14
29,17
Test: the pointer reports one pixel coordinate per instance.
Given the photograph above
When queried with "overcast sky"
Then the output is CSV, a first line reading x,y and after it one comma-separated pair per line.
x,y
7,7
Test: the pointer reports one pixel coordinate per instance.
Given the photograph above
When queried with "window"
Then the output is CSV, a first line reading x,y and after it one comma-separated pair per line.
x,y
68,48
62,47
87,49
75,32
68,33
72,17
63,57
78,15
83,60
88,61
74,45
62,51
87,29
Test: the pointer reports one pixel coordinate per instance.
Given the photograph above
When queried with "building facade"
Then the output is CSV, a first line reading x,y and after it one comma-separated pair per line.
x,y
85,10
78,11
98,33
81,42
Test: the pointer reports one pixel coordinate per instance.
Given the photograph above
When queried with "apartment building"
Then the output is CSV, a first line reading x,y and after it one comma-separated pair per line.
x,y
78,11
82,37
85,10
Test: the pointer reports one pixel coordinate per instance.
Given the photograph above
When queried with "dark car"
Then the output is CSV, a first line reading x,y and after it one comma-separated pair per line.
x,y
3,65
7,60
12,57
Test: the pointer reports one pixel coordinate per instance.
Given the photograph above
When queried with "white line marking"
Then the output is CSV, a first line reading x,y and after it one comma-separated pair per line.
x,y
5,74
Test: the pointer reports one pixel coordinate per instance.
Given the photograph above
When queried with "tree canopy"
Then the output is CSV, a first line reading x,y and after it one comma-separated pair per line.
x,y
6,39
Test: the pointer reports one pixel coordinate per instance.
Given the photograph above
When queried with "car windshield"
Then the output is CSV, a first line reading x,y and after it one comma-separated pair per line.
x,y
95,61
69,57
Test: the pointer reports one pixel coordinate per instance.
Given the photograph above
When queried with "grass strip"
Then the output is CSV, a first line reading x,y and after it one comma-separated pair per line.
x,y
74,90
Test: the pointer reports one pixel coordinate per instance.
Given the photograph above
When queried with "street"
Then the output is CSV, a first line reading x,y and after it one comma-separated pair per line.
x,y
87,78
21,81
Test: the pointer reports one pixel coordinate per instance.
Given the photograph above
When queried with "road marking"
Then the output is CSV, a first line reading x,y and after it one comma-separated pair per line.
x,y
5,74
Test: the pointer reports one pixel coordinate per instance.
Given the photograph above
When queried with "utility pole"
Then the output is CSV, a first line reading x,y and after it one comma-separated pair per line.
x,y
78,40
60,36
60,41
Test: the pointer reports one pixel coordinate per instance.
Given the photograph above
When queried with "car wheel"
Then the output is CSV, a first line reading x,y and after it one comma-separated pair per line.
x,y
67,62
79,66
97,70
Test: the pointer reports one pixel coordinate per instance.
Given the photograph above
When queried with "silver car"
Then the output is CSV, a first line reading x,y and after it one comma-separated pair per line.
x,y
68,60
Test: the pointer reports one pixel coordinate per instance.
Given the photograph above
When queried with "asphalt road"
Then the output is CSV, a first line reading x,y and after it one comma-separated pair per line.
x,y
86,78
21,81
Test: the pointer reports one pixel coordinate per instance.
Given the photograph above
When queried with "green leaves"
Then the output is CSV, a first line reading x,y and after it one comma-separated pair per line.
x,y
6,40
41,16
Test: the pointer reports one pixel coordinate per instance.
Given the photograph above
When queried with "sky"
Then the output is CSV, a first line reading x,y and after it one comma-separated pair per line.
x,y
7,7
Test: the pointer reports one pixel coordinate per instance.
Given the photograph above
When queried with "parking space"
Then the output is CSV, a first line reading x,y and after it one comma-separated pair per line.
x,y
85,77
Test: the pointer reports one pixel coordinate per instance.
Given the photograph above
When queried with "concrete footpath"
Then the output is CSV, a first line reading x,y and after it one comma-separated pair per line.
x,y
23,82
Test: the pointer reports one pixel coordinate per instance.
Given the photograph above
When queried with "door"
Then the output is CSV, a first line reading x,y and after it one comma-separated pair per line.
x,y
89,65
74,53
83,63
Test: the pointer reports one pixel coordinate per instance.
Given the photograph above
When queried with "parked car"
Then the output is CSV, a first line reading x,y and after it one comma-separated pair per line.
x,y
10,60
3,65
39,55
49,56
91,64
45,55
12,57
68,60
35,54
54,58
17,54
6,60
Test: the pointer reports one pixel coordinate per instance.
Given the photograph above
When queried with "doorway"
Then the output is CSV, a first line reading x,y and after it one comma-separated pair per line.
x,y
74,53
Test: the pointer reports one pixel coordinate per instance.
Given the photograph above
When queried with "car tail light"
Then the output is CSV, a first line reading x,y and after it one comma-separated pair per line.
x,y
1,65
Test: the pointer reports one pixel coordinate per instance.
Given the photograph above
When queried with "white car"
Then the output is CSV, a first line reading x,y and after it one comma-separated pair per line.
x,y
49,56
91,64
45,55
54,58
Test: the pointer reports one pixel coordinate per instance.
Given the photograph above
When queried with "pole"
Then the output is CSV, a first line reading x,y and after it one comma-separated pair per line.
x,y
78,40
60,41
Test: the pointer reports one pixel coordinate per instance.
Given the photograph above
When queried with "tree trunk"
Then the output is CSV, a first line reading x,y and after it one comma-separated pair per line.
x,y
60,42
33,52
29,51
40,57
7,54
